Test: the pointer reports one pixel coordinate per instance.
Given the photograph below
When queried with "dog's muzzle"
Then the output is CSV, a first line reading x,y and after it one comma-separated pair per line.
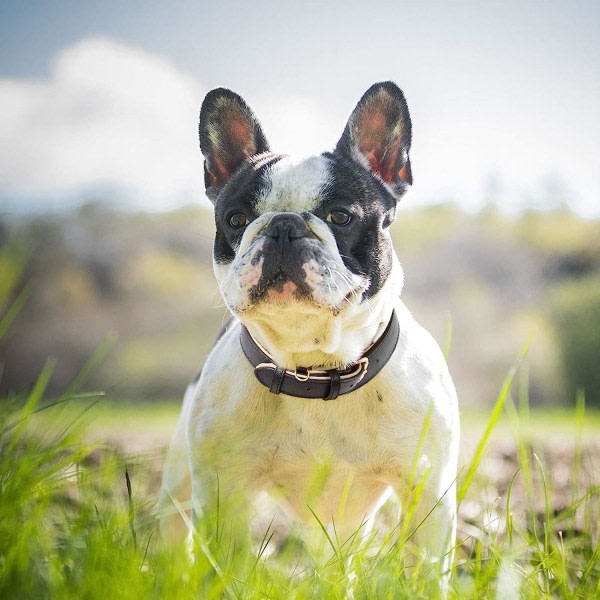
x,y
306,382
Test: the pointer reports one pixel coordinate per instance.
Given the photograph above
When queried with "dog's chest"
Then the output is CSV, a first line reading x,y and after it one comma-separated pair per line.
x,y
346,429
308,453
328,456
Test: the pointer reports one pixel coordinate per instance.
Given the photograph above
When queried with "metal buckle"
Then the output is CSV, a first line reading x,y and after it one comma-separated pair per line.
x,y
361,366
363,361
302,376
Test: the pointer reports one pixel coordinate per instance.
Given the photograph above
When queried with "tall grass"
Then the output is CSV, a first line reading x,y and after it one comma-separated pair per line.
x,y
76,521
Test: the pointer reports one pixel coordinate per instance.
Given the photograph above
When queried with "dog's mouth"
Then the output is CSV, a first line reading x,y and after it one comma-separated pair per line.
x,y
279,288
282,289
307,279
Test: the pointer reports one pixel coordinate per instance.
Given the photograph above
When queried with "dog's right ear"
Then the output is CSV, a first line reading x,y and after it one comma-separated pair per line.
x,y
229,134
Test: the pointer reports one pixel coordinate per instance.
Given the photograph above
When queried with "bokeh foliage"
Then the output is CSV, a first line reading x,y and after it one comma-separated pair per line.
x,y
491,279
576,314
72,526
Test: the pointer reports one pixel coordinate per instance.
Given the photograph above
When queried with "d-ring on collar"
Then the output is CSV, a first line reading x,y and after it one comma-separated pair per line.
x,y
326,384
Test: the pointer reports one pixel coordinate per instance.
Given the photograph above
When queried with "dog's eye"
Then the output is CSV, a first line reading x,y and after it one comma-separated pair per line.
x,y
238,219
339,217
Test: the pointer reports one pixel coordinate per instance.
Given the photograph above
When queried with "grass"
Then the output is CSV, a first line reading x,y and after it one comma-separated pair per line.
x,y
77,520
78,517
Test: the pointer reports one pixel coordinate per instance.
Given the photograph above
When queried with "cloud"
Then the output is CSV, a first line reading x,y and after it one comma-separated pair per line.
x,y
109,117
116,122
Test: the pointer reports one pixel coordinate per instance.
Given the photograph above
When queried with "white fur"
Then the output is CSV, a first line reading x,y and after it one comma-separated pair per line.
x,y
277,443
297,183
340,458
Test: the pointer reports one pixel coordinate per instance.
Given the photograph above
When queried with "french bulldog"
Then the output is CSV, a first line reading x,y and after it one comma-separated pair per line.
x,y
322,368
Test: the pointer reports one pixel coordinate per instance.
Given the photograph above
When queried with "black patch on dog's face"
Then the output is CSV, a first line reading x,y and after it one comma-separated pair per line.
x,y
239,195
279,268
369,171
363,244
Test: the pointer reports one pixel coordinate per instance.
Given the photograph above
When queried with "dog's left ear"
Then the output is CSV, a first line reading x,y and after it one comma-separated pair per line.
x,y
229,134
378,135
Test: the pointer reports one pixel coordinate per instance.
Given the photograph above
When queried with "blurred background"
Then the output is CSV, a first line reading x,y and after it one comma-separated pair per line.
x,y
104,222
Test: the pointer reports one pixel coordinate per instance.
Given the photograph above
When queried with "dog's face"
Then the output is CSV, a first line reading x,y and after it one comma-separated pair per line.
x,y
311,233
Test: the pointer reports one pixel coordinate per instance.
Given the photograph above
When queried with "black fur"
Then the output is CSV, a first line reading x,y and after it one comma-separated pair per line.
x,y
239,137
240,193
362,244
353,186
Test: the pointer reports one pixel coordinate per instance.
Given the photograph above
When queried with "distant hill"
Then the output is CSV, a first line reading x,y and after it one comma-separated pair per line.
x,y
493,281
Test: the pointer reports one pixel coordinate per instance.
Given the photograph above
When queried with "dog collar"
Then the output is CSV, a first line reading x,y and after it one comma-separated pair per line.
x,y
327,384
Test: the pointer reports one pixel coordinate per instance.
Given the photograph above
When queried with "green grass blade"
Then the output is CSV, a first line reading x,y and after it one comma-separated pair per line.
x,y
131,507
509,517
330,541
17,428
90,365
496,412
14,309
592,563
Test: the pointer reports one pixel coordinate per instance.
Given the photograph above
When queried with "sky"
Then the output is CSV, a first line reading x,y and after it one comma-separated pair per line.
x,y
100,101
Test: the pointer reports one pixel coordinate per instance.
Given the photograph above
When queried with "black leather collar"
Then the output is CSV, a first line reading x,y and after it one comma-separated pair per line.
x,y
328,384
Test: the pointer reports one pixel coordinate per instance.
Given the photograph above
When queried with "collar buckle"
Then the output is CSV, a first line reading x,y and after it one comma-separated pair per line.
x,y
302,373
308,382
363,363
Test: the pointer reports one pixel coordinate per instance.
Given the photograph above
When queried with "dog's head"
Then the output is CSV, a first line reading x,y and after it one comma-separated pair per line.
x,y
309,234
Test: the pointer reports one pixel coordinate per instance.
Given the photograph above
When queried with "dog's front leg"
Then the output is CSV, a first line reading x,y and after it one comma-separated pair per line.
x,y
176,492
434,529
431,531
221,513
218,459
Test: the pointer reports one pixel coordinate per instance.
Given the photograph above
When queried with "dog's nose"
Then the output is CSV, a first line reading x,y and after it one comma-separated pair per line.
x,y
286,227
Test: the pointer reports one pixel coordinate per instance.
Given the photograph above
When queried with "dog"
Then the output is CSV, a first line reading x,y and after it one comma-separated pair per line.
x,y
322,368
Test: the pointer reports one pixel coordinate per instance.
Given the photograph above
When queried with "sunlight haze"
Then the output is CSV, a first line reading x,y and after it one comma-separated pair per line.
x,y
102,102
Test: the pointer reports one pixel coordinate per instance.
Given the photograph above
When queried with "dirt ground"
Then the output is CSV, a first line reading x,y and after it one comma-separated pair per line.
x,y
544,477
